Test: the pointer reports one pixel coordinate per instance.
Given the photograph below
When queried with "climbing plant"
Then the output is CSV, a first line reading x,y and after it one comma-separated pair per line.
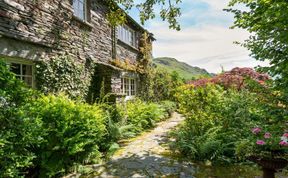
x,y
146,51
64,74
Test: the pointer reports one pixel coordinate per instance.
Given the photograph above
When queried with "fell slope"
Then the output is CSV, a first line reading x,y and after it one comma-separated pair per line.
x,y
185,70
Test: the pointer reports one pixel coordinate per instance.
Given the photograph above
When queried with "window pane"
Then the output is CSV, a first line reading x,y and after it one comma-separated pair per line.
x,y
27,70
133,87
122,86
127,88
79,8
28,80
15,68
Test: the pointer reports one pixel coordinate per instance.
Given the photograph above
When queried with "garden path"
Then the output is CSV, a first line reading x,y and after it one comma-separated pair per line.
x,y
148,156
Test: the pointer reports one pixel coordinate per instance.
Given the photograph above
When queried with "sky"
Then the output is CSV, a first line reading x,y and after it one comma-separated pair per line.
x,y
205,39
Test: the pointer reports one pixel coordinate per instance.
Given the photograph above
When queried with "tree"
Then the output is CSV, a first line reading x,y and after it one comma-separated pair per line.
x,y
169,12
267,21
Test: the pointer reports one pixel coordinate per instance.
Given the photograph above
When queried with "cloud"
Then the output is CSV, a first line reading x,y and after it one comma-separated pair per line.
x,y
205,39
208,46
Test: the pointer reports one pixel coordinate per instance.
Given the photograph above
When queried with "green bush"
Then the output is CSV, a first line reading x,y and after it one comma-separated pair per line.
x,y
45,136
142,115
71,130
168,106
18,134
216,120
135,116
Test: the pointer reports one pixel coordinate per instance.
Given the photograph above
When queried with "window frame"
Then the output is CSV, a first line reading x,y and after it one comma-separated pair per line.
x,y
21,62
85,10
127,35
126,82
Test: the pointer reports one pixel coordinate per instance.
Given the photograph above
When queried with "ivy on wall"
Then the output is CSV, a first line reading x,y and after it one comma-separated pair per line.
x,y
64,74
148,71
143,64
146,51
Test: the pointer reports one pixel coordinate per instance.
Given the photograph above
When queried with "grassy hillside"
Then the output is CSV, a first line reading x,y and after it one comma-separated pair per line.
x,y
186,71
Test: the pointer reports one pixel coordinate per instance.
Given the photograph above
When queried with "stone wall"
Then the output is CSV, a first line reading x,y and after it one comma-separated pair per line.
x,y
127,52
49,28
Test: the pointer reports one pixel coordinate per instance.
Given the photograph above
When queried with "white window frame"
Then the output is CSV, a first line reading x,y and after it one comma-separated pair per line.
x,y
76,10
126,86
127,35
21,75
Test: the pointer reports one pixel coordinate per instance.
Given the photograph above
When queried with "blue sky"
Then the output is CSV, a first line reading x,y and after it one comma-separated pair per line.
x,y
205,39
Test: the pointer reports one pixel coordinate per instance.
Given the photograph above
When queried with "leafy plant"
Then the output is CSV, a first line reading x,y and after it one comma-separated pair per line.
x,y
266,20
64,74
215,121
19,134
71,131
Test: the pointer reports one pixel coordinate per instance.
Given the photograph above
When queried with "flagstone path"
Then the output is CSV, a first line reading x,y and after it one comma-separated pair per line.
x,y
144,157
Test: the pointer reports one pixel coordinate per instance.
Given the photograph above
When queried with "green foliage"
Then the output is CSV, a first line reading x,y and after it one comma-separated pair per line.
x,y
135,116
142,115
64,74
71,130
184,70
169,12
18,134
267,22
168,106
159,85
48,136
217,120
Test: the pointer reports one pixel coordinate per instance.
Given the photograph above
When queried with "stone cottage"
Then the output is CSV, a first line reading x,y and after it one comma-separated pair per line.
x,y
35,30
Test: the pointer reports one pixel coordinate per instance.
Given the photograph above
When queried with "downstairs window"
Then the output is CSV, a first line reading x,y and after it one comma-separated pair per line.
x,y
23,72
128,86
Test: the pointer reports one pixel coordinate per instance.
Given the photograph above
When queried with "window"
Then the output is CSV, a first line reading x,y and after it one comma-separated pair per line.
x,y
127,35
80,9
128,86
23,72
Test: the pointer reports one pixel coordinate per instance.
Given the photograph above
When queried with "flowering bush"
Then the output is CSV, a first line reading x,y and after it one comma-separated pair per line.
x,y
265,142
234,78
220,124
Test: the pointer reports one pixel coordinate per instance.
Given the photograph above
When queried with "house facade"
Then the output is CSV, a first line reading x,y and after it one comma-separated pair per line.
x,y
35,30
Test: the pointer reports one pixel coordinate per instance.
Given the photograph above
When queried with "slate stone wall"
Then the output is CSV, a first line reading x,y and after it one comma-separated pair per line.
x,y
42,29
50,26
126,52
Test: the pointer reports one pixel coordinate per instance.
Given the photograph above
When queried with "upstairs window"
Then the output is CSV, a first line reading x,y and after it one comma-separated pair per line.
x,y
127,35
128,86
80,9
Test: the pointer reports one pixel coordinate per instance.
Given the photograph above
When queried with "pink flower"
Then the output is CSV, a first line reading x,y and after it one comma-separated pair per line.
x,y
267,135
260,142
285,135
256,130
283,143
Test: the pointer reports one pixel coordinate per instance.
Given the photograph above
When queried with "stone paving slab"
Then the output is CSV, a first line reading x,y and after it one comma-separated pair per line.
x,y
143,157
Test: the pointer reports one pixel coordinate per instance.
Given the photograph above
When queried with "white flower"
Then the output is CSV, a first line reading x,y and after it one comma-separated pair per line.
x,y
285,139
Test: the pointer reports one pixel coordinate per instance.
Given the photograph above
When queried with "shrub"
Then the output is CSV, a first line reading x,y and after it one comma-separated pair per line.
x,y
219,121
159,85
142,115
135,116
215,121
18,134
168,106
236,78
72,131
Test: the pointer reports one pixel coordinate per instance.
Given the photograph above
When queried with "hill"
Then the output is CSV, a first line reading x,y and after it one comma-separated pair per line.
x,y
185,71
